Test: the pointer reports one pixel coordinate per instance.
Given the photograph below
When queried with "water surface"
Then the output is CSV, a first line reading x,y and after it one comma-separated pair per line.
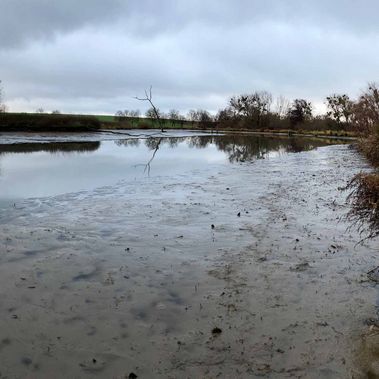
x,y
47,168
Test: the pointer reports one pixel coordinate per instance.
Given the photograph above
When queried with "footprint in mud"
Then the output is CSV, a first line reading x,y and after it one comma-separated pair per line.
x,y
109,281
4,343
86,274
93,365
301,267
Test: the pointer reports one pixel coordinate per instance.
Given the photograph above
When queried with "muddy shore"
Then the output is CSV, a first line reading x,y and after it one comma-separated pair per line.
x,y
240,272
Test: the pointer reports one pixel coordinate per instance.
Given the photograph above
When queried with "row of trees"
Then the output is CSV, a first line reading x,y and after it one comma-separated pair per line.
x,y
198,115
259,110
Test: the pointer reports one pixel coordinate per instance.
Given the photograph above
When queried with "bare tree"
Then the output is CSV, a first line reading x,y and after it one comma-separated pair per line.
x,y
300,111
173,116
149,98
252,107
340,108
366,109
121,115
135,113
40,110
2,105
56,111
282,106
152,113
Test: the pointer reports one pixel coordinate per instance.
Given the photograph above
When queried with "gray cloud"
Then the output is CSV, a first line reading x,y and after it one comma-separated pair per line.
x,y
95,55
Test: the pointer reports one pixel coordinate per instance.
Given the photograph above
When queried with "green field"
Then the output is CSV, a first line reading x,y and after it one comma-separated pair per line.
x,y
49,122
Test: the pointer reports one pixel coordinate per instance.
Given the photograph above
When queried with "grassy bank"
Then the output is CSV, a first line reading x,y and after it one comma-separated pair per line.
x,y
32,122
27,122
365,189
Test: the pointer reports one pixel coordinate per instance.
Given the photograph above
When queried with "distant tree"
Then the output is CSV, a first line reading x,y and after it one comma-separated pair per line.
x,y
192,116
40,110
366,109
225,114
340,108
153,113
56,111
253,107
134,113
282,106
121,115
205,118
300,111
200,116
2,105
173,114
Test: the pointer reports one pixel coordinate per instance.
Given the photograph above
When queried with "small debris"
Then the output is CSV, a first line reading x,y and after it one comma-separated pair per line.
x,y
239,214
132,375
26,361
212,226
301,267
372,322
216,331
374,275
324,324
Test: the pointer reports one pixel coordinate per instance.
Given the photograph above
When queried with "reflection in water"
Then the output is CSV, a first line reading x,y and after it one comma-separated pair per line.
x,y
59,168
53,147
239,147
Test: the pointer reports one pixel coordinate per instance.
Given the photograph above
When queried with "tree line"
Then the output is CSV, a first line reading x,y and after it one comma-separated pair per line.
x,y
259,110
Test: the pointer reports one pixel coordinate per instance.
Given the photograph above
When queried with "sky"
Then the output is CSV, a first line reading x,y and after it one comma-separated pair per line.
x,y
95,56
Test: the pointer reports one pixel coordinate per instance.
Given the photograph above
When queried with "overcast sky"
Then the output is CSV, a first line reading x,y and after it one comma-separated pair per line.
x,y
93,56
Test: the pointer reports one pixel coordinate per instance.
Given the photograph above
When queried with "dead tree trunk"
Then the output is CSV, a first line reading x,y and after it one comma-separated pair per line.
x,y
149,98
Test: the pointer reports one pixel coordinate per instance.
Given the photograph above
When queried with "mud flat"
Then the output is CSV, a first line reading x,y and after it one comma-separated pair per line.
x,y
218,270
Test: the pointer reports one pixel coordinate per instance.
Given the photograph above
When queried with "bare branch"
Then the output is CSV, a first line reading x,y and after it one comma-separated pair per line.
x,y
149,98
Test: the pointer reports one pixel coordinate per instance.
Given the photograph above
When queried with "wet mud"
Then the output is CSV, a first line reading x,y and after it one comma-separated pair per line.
x,y
240,270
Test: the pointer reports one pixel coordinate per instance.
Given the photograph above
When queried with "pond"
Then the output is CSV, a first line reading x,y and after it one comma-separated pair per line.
x,y
50,168
180,255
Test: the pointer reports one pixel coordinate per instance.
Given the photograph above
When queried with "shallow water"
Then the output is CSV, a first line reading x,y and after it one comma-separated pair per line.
x,y
123,269
53,168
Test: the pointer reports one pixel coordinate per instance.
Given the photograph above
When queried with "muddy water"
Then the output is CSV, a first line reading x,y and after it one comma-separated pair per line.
x,y
223,257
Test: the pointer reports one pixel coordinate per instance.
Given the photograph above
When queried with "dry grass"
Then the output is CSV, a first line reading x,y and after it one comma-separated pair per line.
x,y
364,199
370,147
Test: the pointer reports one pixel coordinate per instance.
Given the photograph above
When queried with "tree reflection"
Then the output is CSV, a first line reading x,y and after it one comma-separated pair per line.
x,y
237,147
52,147
133,142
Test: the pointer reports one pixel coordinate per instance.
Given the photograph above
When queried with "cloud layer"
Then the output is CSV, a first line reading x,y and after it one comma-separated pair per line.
x,y
95,55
